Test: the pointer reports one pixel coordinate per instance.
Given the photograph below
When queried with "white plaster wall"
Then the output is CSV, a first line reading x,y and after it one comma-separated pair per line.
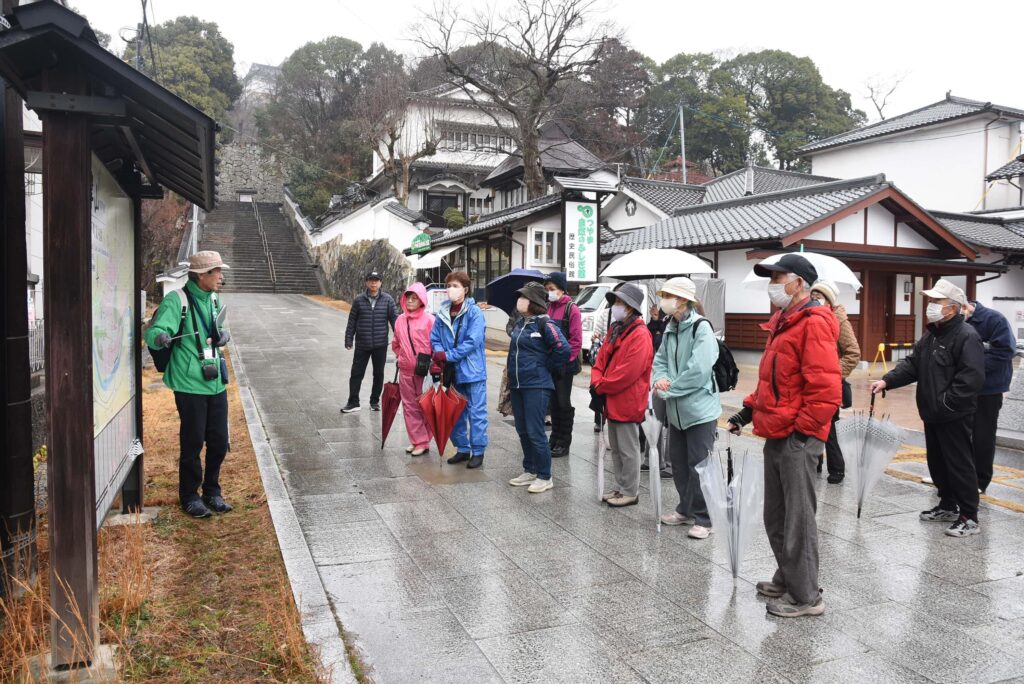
x,y
941,167
879,226
34,237
908,237
370,223
614,212
1010,284
903,306
733,267
851,229
822,234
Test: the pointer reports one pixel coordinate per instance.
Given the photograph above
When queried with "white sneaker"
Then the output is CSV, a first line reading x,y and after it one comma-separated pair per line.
x,y
522,480
699,532
927,480
610,495
674,518
540,485
409,449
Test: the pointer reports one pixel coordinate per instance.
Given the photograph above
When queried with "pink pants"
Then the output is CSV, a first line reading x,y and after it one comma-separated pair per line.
x,y
410,386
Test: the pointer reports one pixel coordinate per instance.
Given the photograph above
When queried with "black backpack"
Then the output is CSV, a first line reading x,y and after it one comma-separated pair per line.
x,y
725,371
161,357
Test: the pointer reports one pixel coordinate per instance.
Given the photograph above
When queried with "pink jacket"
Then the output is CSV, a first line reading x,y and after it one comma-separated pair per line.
x,y
418,323
574,335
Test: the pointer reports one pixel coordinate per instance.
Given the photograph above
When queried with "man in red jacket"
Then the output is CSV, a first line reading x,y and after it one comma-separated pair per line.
x,y
798,391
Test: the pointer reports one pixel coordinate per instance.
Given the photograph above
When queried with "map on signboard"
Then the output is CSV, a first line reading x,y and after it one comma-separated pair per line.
x,y
113,298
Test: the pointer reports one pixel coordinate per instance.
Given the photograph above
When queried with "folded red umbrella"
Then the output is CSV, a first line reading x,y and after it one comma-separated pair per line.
x,y
442,407
426,402
390,400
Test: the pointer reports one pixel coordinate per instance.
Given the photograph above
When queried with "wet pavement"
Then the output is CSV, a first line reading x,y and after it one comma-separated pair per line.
x,y
442,574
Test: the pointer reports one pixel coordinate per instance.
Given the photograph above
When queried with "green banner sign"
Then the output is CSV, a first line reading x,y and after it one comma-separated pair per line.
x,y
420,243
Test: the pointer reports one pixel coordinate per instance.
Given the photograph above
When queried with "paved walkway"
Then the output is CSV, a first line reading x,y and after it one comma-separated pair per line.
x,y
442,574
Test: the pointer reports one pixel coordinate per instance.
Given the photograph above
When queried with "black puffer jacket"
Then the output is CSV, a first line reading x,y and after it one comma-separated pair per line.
x,y
948,365
368,323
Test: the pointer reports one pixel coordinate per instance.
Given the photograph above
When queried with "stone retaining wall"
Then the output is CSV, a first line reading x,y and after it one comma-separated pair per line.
x,y
244,167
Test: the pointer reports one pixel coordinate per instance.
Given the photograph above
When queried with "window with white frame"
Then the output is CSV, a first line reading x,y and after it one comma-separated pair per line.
x,y
545,247
466,140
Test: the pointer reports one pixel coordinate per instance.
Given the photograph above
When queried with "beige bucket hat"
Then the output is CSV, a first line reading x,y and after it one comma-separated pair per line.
x,y
679,287
201,262
944,289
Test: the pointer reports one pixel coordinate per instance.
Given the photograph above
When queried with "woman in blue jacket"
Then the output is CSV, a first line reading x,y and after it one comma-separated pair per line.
x,y
537,347
457,339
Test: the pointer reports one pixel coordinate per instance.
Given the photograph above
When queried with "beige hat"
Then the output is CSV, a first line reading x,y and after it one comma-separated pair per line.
x,y
201,262
946,290
827,288
679,287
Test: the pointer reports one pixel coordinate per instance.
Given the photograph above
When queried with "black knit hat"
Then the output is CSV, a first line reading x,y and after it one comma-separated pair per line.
x,y
536,293
559,280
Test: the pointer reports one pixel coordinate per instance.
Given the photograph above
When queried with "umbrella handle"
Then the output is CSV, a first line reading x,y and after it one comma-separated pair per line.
x,y
871,411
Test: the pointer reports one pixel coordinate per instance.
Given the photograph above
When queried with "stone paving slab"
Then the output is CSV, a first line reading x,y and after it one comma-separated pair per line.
x,y
439,573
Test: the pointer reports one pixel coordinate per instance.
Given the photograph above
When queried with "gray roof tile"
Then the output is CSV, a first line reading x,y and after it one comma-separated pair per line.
x,y
765,179
667,196
499,218
944,110
986,231
405,213
1012,170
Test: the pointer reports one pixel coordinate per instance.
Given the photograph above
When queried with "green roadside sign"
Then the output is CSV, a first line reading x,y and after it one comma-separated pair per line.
x,y
420,243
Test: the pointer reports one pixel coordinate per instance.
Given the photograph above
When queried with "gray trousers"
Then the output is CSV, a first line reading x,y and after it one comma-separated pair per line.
x,y
687,448
624,440
790,504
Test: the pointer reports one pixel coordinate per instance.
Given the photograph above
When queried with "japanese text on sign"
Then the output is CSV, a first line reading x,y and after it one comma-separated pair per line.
x,y
581,241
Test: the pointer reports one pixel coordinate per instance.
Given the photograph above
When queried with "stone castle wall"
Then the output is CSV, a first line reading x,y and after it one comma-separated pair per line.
x,y
244,167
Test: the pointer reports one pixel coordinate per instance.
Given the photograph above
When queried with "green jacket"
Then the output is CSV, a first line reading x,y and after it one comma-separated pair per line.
x,y
184,371
686,362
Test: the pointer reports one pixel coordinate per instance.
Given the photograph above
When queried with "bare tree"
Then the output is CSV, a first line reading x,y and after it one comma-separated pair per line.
x,y
511,64
399,128
880,88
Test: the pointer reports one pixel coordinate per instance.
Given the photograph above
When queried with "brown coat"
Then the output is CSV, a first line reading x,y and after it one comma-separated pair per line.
x,y
849,350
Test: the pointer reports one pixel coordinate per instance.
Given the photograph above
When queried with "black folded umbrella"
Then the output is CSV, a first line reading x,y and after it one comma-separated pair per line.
x,y
501,292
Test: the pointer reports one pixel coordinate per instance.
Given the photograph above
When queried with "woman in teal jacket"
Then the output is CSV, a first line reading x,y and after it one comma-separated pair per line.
x,y
683,376
457,339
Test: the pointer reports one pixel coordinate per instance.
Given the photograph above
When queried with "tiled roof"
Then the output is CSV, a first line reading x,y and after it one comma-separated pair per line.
x,y
499,218
559,154
1012,170
754,218
998,234
666,196
760,179
405,213
944,110
606,234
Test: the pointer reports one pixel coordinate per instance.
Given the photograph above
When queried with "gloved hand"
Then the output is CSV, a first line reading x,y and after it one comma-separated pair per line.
x,y
162,340
348,347
439,357
223,338
435,370
738,420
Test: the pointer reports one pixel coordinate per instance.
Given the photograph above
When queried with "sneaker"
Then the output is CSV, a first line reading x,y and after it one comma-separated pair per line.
x,y
196,509
610,495
475,462
540,485
350,408
374,407
559,451
836,478
674,518
770,589
459,457
419,452
927,480
217,504
699,532
522,480
963,527
786,606
623,500
409,449
939,514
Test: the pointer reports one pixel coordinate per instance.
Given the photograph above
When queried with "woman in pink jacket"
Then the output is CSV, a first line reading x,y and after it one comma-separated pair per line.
x,y
412,337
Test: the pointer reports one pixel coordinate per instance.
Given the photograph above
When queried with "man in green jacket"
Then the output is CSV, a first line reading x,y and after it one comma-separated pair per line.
x,y
194,373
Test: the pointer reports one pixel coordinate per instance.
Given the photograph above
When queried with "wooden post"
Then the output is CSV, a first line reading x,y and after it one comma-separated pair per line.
x,y
972,287
865,282
131,492
17,492
67,254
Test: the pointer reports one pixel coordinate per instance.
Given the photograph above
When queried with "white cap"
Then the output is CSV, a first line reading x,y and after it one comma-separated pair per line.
x,y
679,287
946,290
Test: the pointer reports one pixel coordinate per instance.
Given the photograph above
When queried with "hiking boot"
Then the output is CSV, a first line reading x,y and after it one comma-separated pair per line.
x,y
540,485
217,503
964,527
674,518
522,480
559,451
787,607
610,495
197,509
475,462
460,457
350,408
835,478
623,500
939,514
699,532
770,589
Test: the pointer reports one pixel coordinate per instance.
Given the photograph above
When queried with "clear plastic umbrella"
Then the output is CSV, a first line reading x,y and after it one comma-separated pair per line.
x,y
599,450
734,506
868,445
654,432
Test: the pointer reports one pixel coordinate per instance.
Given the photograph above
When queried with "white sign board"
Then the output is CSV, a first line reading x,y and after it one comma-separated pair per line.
x,y
581,241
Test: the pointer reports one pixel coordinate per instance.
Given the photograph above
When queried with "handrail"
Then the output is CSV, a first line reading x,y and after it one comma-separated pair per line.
x,y
266,247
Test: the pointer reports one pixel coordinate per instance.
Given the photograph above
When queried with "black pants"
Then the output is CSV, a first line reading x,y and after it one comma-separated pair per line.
x,y
951,464
355,381
986,420
562,412
833,454
204,419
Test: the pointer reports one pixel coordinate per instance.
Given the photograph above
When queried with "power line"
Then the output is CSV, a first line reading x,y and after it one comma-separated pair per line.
x,y
664,147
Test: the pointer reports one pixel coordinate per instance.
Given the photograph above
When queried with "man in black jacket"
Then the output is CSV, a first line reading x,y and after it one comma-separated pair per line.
x,y
948,365
373,312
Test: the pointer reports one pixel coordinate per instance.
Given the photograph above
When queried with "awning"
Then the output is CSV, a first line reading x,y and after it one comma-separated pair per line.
x,y
432,259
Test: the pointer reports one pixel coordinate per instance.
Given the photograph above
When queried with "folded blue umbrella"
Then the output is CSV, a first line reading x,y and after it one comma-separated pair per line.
x,y
501,292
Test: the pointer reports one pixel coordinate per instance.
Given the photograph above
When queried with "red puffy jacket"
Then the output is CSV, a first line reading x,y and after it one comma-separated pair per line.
x,y
622,373
798,383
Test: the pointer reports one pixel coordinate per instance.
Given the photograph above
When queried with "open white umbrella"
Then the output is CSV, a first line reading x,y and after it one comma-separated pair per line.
x,y
645,263
828,267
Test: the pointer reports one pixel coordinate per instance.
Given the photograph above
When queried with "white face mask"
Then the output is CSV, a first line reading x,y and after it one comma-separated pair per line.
x,y
456,293
553,296
669,305
777,293
618,312
934,312
522,305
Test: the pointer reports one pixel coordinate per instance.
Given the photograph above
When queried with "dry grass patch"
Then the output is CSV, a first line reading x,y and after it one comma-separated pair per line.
x,y
331,303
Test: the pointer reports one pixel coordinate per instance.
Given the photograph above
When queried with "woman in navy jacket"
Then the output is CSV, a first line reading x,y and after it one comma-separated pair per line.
x,y
537,347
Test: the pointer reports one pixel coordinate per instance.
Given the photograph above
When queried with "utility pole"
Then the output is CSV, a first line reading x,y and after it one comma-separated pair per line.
x,y
138,47
682,141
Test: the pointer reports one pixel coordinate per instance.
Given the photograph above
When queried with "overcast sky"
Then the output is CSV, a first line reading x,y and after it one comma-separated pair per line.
x,y
936,46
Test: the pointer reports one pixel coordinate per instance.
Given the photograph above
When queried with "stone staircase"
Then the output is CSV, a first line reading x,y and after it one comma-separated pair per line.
x,y
231,229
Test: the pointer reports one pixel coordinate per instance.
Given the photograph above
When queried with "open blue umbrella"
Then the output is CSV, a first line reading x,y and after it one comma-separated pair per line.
x,y
501,292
